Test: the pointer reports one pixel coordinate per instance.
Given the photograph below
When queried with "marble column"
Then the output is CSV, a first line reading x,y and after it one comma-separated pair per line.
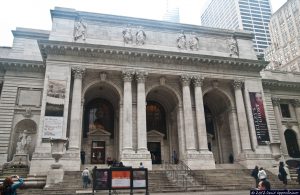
x,y
241,115
234,131
75,124
127,111
200,115
188,114
276,104
141,112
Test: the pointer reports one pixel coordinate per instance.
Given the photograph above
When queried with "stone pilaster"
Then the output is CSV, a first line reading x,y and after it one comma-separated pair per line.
x,y
75,124
296,104
242,117
141,112
200,115
234,131
187,113
127,111
276,104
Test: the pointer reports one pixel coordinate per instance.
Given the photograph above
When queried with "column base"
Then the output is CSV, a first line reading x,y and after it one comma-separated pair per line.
x,y
54,176
133,159
200,160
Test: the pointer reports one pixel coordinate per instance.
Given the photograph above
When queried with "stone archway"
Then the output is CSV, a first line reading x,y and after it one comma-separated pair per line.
x,y
100,132
216,108
292,143
162,132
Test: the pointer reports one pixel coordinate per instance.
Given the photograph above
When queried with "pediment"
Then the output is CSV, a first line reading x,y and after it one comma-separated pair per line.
x,y
100,132
155,133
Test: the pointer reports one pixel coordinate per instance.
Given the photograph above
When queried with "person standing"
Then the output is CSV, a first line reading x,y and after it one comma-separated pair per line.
x,y
262,175
82,157
10,187
85,177
254,174
283,174
141,165
264,185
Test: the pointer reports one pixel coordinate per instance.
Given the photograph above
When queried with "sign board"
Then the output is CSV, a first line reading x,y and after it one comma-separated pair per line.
x,y
139,177
101,179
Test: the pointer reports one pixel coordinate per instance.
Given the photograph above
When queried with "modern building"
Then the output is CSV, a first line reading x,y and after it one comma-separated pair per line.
x,y
283,53
249,15
172,12
139,90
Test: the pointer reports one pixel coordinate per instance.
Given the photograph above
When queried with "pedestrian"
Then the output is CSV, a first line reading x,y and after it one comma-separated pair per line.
x,y
121,164
282,175
141,165
85,177
262,175
264,185
254,174
231,159
10,187
82,157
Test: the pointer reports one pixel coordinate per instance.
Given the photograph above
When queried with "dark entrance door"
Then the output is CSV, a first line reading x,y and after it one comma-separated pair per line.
x,y
155,151
98,152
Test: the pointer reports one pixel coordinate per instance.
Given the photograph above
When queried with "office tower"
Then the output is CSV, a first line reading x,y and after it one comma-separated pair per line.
x,y
249,15
172,12
283,53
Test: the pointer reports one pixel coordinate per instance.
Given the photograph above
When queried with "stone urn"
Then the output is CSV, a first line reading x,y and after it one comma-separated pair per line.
x,y
58,148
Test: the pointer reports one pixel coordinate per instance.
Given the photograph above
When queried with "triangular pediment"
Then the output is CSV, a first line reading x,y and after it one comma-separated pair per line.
x,y
100,132
155,133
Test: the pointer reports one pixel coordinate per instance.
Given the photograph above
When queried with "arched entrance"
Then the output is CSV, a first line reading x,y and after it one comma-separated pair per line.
x,y
216,106
100,134
162,134
292,143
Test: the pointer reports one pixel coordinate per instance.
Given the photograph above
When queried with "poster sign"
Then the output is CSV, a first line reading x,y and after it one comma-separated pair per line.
x,y
120,179
259,117
53,127
101,181
139,177
54,111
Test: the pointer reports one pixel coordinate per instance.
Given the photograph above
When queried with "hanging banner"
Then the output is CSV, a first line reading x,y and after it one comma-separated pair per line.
x,y
259,118
54,111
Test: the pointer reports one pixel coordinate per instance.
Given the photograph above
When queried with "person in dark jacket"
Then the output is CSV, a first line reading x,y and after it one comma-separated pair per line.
x,y
283,174
254,174
10,187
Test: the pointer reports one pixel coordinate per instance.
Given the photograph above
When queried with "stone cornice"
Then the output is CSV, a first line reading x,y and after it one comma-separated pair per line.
x,y
274,84
157,56
22,65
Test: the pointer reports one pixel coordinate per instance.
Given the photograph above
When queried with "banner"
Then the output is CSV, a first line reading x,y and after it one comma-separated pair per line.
x,y
259,118
120,178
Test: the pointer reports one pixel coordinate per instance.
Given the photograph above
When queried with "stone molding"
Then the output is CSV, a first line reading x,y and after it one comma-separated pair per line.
x,y
237,84
198,81
273,84
22,65
295,103
275,101
78,72
127,75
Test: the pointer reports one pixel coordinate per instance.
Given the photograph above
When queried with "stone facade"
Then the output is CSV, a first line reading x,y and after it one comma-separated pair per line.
x,y
99,79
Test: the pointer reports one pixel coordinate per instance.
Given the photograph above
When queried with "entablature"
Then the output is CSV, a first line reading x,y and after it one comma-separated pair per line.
x,y
21,65
275,84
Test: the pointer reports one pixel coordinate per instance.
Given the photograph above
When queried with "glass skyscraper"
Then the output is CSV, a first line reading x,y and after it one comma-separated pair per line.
x,y
249,15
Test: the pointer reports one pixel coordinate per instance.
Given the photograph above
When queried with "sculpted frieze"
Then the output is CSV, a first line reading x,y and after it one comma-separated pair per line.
x,y
192,42
129,37
80,30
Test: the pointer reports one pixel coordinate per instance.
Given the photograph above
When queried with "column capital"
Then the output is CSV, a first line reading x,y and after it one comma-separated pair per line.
x,y
237,84
198,80
78,72
185,79
295,103
141,76
275,101
127,75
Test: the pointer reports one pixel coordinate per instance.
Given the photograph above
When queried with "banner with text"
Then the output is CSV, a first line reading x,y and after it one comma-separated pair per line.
x,y
259,117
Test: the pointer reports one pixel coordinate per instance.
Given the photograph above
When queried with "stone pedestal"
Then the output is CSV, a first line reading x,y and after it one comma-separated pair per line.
x,y
202,160
19,160
54,176
133,159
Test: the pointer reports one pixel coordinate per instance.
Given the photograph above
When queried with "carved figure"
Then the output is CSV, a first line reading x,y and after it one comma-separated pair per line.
x,y
233,47
194,42
79,30
127,35
23,143
140,37
181,40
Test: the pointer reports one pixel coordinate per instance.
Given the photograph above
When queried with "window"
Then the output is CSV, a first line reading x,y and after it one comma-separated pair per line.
x,y
285,111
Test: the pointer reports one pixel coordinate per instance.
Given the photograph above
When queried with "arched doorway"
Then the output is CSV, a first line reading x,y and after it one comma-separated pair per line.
x,y
162,133
100,134
292,143
216,106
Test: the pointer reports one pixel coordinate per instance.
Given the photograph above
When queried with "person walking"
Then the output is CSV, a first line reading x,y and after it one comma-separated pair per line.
x,y
85,177
264,185
10,187
282,174
254,174
262,175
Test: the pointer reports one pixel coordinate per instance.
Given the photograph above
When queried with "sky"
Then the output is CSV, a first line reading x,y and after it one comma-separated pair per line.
x,y
36,13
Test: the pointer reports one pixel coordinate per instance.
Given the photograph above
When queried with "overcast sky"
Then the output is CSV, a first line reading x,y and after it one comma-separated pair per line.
x,y
36,13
